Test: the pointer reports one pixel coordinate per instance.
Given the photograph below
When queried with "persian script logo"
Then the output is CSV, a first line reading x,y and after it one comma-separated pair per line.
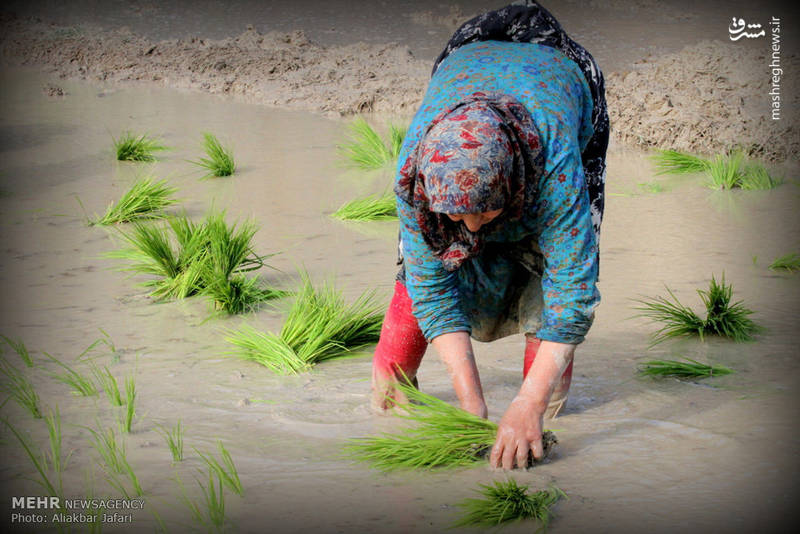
x,y
737,30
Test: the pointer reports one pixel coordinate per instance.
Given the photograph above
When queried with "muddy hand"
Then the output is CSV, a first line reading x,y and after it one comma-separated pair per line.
x,y
519,435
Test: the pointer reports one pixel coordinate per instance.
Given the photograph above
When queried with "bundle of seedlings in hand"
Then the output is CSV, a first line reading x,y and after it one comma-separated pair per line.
x,y
369,208
220,159
789,262
441,436
724,171
367,150
17,386
145,199
132,148
722,318
682,369
320,326
508,501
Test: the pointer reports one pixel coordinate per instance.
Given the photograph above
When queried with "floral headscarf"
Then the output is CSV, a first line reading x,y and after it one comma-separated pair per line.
x,y
480,155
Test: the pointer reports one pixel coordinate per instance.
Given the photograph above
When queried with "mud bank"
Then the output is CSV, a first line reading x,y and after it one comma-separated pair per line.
x,y
707,98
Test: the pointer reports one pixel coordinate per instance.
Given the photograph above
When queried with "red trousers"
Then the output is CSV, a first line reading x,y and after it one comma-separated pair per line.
x,y
402,345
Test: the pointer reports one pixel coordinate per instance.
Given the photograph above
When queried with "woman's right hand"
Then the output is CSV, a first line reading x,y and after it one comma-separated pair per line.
x,y
455,349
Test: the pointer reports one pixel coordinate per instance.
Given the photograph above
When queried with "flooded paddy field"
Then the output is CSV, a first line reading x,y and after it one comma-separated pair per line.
x,y
634,454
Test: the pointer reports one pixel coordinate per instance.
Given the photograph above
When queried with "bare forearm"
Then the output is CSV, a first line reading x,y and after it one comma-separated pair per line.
x,y
455,349
551,360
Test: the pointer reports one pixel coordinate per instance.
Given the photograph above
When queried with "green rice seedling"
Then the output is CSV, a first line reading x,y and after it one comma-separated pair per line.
x,y
756,177
789,262
80,384
17,386
366,149
674,162
319,326
38,460
115,461
682,369
174,439
109,384
508,501
725,172
130,147
220,159
225,471
651,187
723,318
212,515
678,320
55,456
145,199
20,348
184,258
369,208
130,403
229,254
441,436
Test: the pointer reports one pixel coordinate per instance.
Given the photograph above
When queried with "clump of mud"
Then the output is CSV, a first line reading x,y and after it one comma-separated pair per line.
x,y
707,98
277,69
53,91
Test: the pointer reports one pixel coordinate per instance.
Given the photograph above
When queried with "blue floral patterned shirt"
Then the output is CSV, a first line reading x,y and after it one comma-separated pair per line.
x,y
556,94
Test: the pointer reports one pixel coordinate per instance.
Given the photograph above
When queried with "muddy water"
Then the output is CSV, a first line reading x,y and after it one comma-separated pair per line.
x,y
634,454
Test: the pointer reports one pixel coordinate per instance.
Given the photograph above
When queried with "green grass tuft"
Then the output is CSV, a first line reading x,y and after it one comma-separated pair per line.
x,y
723,318
789,262
115,461
674,162
225,471
728,171
81,385
369,208
441,436
186,258
220,159
682,369
145,199
109,384
132,148
508,501
174,439
20,348
366,149
16,385
320,326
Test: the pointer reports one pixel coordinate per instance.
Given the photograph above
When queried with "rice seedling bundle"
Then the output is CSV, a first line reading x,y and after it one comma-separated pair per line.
x,y
174,439
187,258
502,502
440,435
220,159
789,262
366,149
724,171
369,208
320,326
145,199
130,147
81,385
225,471
682,369
38,460
723,318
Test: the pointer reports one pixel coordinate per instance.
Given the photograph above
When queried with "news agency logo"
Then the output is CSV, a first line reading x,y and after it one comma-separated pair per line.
x,y
739,29
35,503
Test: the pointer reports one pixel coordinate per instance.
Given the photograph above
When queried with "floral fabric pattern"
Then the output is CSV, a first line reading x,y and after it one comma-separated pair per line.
x,y
553,203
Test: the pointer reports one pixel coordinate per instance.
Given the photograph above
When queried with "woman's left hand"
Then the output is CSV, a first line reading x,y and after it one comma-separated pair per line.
x,y
519,433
